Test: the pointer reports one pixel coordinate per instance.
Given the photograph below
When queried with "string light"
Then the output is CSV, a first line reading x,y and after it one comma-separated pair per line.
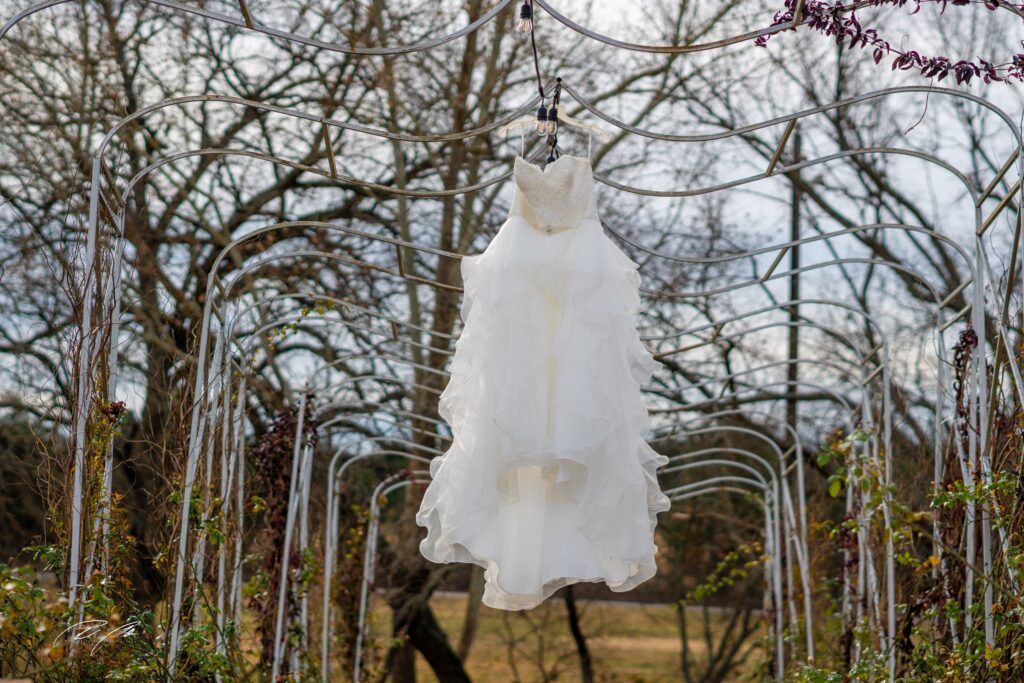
x,y
542,120
552,122
526,18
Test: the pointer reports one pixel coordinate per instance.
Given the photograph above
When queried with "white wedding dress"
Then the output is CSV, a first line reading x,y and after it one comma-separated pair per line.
x,y
549,480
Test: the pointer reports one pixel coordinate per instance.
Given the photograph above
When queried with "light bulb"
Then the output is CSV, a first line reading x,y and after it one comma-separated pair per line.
x,y
552,124
542,120
525,18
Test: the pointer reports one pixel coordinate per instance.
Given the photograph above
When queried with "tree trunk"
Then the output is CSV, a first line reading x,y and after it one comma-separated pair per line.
x,y
586,665
472,620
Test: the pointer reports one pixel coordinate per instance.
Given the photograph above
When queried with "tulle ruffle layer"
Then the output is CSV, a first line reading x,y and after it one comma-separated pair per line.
x,y
548,481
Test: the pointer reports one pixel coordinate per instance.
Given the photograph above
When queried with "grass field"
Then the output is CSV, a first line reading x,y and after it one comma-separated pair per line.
x,y
630,642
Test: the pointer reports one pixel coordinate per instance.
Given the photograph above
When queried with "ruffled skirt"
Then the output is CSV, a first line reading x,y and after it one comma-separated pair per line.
x,y
549,480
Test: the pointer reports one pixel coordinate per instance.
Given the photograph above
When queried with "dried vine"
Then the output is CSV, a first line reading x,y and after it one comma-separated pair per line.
x,y
272,462
840,22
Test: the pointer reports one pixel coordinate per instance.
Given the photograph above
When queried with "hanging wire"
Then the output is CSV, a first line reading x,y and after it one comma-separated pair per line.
x,y
533,45
552,124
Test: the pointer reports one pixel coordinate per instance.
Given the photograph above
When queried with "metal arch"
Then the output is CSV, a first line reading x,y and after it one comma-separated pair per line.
x,y
798,20
192,465
244,349
302,470
712,488
717,325
434,193
242,340
195,430
810,239
883,368
210,294
300,480
741,317
348,182
789,273
299,495
295,295
885,380
890,567
357,355
726,489
675,49
730,396
837,398
805,323
322,297
889,550
757,312
622,125
832,303
940,392
331,532
196,433
797,448
781,171
333,123
771,502
750,128
804,361
248,23
782,468
385,415
808,324
382,410
369,565
798,458
795,532
938,305
381,355
275,323
230,333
